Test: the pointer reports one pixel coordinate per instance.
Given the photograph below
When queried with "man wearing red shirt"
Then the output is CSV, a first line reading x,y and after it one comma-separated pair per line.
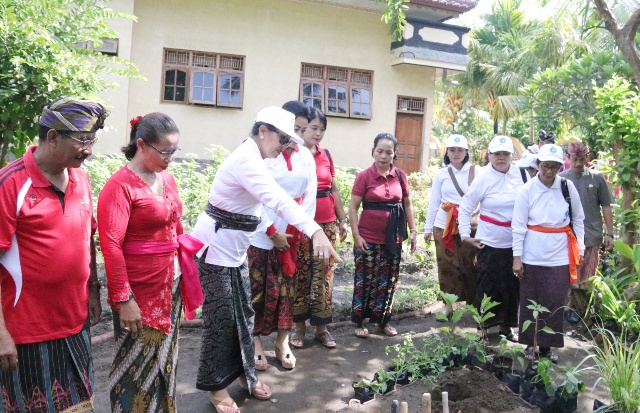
x,y
48,280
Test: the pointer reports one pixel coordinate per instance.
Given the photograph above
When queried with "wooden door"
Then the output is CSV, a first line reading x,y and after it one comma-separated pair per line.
x,y
409,135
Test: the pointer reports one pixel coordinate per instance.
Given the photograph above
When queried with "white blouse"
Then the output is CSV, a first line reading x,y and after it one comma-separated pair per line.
x,y
242,184
538,205
443,190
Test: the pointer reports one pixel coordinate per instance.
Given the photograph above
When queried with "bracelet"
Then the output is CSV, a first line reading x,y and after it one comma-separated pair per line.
x,y
412,230
609,235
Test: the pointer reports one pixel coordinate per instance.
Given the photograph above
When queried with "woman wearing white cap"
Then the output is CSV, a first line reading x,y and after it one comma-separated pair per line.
x,y
455,259
495,191
528,164
240,188
548,235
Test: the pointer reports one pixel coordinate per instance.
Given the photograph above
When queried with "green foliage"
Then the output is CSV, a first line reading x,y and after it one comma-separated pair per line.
x,y
39,61
345,177
615,297
562,98
394,16
618,119
194,179
617,361
565,382
420,185
537,309
415,297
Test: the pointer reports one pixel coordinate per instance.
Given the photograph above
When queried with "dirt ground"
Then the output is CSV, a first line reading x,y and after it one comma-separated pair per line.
x,y
322,380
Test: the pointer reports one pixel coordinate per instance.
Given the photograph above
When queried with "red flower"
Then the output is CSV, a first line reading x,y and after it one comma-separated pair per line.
x,y
135,121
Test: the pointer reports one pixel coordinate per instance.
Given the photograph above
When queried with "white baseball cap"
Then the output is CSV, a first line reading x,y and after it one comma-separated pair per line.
x,y
533,148
457,141
501,143
528,160
551,153
281,119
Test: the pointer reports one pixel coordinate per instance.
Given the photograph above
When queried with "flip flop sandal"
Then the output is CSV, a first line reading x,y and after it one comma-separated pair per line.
x,y
296,339
287,360
325,339
362,332
261,362
551,355
260,386
223,406
388,331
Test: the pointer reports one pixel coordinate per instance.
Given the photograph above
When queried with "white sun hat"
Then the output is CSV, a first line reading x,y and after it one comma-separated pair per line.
x,y
551,153
501,143
457,141
528,160
281,119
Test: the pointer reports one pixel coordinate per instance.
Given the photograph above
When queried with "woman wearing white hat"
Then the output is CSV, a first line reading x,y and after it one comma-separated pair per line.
x,y
528,164
456,269
495,192
548,245
241,186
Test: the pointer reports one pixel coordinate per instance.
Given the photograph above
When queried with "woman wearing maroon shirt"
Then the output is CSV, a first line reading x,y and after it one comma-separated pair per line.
x,y
383,192
314,283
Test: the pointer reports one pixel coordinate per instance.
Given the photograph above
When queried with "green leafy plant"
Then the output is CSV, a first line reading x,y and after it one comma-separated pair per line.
x,y
36,36
483,314
381,381
537,309
617,361
565,382
515,353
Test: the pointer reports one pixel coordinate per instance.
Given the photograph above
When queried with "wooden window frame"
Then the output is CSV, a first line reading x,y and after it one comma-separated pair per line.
x,y
322,78
214,68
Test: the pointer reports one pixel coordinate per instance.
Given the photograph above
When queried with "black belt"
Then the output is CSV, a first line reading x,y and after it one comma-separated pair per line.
x,y
231,220
396,226
323,194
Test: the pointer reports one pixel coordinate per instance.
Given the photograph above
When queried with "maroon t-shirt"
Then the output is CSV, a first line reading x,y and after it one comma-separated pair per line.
x,y
373,187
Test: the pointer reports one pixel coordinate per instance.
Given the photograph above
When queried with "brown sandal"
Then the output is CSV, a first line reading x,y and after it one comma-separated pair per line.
x,y
325,339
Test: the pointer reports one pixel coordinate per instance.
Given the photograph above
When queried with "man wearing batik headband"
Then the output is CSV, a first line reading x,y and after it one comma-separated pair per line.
x,y
48,281
596,200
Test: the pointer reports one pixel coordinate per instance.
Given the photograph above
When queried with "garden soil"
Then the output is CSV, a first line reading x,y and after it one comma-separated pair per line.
x,y
322,380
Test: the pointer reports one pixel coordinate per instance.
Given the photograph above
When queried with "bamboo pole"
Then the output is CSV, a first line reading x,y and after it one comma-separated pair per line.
x,y
404,407
445,402
426,402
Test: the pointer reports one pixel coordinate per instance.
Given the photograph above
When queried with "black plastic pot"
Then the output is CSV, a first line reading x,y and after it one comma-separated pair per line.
x,y
391,384
529,372
486,366
364,394
569,405
403,378
501,365
541,399
512,380
526,388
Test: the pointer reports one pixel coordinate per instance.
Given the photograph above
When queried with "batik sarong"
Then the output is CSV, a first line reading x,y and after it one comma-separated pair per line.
x,y
313,284
376,277
271,292
227,342
143,372
497,281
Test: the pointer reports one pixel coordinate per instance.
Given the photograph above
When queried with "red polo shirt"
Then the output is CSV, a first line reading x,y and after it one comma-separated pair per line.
x,y
373,187
325,170
53,252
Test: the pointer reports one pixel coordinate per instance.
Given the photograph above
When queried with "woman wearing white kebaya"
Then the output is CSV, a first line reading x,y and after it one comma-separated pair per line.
x,y
455,259
548,245
495,191
241,186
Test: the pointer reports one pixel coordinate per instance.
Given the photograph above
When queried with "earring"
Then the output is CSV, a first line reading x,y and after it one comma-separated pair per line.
x,y
261,136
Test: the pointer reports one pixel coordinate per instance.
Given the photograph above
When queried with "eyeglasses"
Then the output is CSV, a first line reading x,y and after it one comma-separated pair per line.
x,y
163,154
85,141
547,167
284,140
